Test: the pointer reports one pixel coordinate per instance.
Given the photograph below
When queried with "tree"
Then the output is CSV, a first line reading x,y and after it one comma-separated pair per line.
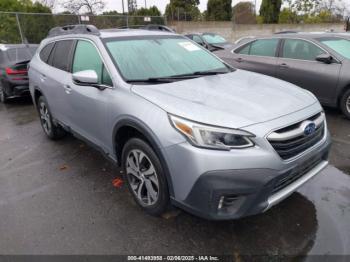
x,y
270,10
34,28
48,3
132,6
243,13
314,11
152,11
305,7
183,10
219,10
84,6
288,16
140,14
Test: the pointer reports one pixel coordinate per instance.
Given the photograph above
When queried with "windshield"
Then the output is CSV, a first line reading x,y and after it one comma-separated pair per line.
x,y
160,57
214,39
339,45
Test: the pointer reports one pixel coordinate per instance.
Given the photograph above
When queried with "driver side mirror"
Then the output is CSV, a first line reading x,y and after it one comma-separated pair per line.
x,y
86,77
325,58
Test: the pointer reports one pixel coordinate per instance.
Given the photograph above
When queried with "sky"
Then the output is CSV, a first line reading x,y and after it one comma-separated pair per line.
x,y
161,4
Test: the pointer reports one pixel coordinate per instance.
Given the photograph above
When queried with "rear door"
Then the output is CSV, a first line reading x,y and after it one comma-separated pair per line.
x,y
54,78
297,64
257,56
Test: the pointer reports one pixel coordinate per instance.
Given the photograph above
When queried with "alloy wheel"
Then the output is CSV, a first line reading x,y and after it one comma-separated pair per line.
x,y
45,118
347,103
142,177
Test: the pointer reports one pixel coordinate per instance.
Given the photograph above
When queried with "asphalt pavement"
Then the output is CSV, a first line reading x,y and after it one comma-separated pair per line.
x,y
58,198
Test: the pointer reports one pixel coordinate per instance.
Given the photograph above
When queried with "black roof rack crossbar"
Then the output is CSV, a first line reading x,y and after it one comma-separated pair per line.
x,y
74,29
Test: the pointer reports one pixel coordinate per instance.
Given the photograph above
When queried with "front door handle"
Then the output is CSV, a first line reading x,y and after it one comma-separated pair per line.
x,y
67,89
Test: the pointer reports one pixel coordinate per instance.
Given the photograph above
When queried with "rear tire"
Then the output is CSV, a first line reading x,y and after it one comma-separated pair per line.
x,y
145,177
345,103
3,96
52,130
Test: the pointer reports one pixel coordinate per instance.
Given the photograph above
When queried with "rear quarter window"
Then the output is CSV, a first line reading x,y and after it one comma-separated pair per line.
x,y
260,47
61,55
45,52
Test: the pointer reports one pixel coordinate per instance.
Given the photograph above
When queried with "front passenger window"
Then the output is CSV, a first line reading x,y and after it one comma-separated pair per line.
x,y
86,57
301,50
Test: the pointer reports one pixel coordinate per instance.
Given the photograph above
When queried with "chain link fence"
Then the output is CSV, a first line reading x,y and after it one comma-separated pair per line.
x,y
31,28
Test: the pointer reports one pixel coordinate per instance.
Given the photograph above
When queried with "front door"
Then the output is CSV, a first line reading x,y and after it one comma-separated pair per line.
x,y
298,65
88,105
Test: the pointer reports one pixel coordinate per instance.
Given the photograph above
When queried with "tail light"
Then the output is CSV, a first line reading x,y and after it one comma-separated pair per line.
x,y
15,71
18,72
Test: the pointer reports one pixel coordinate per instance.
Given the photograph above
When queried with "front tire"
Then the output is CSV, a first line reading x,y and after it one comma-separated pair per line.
x,y
52,130
145,177
345,103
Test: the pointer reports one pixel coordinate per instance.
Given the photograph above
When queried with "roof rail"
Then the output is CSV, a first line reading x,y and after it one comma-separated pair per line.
x,y
287,32
74,29
151,27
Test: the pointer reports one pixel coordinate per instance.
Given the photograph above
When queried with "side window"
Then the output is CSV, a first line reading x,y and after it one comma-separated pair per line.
x,y
300,49
61,55
45,52
198,40
244,50
262,47
86,57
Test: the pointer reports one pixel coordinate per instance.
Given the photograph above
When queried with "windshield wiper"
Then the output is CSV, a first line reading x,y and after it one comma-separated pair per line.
x,y
209,73
167,79
170,79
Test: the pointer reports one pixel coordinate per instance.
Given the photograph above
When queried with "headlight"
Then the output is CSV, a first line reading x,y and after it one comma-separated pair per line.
x,y
212,137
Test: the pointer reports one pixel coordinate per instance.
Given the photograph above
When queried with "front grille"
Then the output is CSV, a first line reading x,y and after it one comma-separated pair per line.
x,y
291,141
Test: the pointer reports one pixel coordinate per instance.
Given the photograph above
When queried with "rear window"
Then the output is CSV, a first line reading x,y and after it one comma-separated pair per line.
x,y
20,54
61,54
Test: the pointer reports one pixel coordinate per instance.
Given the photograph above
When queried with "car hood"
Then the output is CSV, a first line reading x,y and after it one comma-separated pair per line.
x,y
234,100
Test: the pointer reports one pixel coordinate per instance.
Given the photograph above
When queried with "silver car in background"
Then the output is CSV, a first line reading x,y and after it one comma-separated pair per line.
x,y
318,62
188,129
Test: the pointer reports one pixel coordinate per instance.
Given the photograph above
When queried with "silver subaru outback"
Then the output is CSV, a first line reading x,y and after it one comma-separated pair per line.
x,y
188,129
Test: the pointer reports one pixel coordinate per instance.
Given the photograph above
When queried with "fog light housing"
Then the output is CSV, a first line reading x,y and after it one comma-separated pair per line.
x,y
229,203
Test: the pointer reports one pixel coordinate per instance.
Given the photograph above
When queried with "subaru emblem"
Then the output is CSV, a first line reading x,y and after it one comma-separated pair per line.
x,y
310,128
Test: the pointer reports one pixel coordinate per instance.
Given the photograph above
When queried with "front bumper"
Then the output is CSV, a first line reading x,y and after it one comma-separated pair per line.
x,y
249,191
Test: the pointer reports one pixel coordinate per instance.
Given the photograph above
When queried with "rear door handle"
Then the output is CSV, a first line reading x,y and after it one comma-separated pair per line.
x,y
284,65
42,78
67,89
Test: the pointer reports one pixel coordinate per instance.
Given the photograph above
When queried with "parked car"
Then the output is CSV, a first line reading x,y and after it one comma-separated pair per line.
x,y
187,128
318,62
13,70
212,42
